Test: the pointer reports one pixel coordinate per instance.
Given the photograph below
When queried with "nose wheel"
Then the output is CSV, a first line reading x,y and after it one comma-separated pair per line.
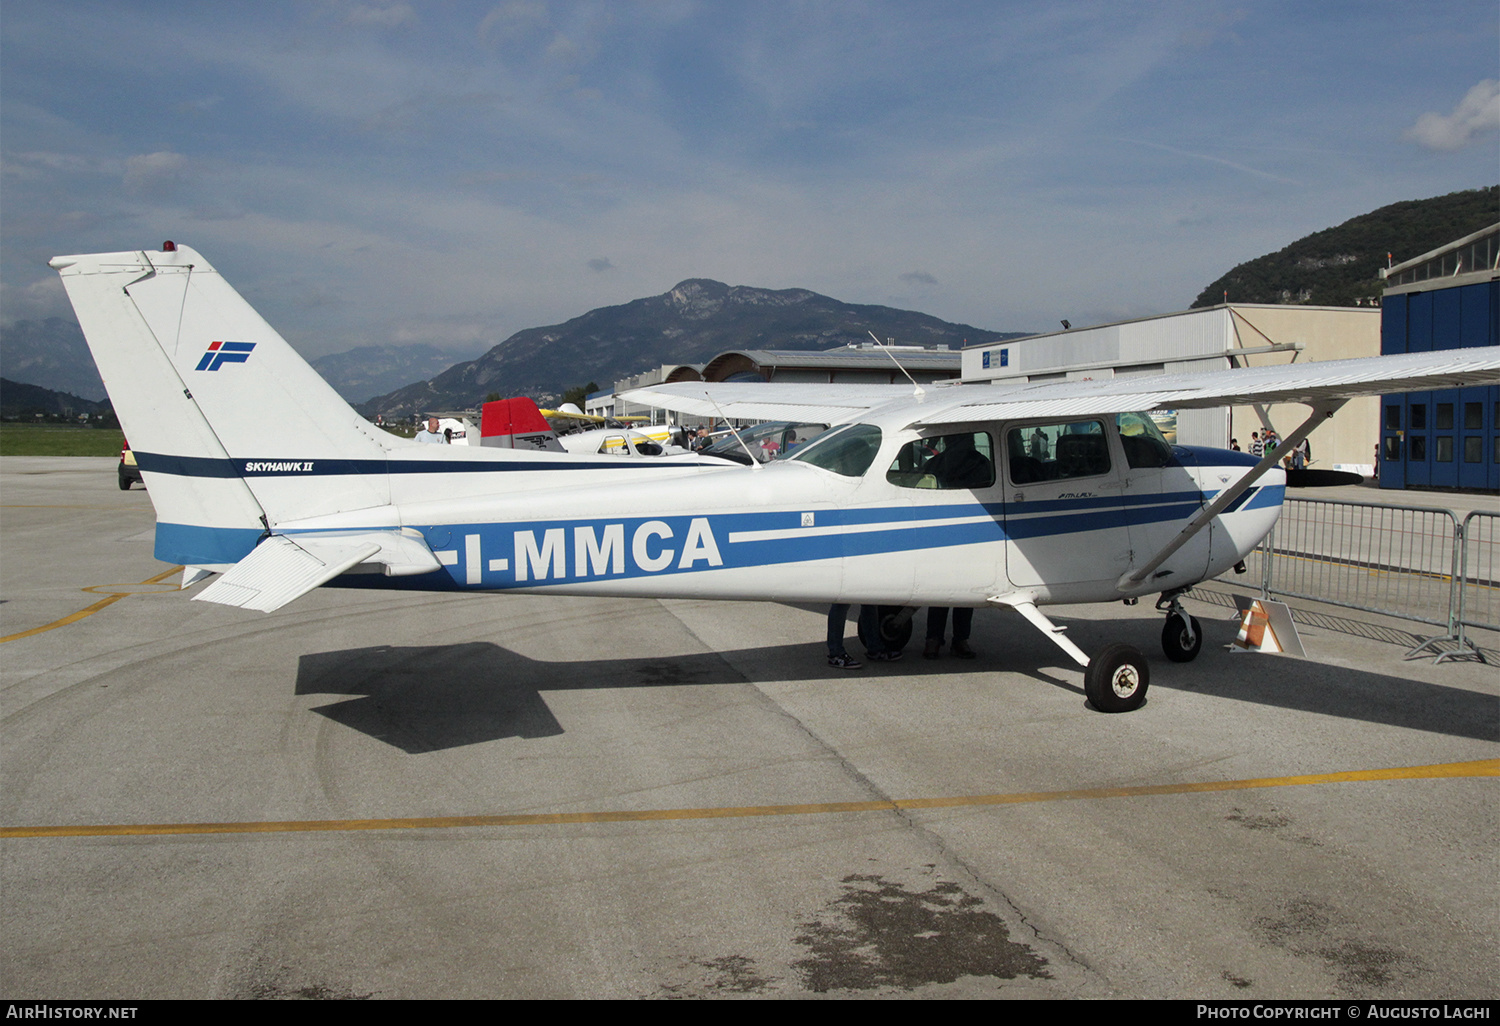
x,y
1181,637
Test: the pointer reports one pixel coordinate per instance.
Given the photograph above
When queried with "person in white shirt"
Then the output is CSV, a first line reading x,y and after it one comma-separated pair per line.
x,y
430,435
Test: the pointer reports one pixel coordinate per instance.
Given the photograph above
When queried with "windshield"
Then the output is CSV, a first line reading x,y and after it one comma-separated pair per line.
x,y
847,450
767,442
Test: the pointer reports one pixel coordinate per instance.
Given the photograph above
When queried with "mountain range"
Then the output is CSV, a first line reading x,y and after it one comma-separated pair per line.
x,y
692,322
1340,266
51,354
19,401
699,318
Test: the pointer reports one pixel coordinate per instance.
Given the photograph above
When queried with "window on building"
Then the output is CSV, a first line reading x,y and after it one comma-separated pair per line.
x,y
1474,449
1419,416
1473,416
1392,452
1393,418
1445,416
1417,448
1445,448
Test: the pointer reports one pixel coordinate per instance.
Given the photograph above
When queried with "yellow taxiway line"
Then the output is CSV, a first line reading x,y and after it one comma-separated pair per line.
x,y
1481,768
91,610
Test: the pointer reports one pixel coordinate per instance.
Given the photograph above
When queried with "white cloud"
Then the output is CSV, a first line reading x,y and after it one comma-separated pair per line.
x,y
154,172
382,15
1476,113
34,301
512,18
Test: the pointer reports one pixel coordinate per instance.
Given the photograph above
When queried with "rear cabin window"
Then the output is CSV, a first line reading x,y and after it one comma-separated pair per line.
x,y
964,460
1057,452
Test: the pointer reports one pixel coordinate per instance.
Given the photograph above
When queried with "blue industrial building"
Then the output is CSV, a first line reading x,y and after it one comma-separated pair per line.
x,y
1446,299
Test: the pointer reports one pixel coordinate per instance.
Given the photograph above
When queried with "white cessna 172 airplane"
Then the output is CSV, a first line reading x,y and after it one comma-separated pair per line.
x,y
945,496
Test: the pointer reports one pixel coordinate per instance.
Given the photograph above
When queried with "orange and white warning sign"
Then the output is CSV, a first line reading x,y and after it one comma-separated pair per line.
x,y
1266,626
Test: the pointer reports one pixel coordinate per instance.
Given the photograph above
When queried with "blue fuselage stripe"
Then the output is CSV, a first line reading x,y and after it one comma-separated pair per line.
x,y
531,553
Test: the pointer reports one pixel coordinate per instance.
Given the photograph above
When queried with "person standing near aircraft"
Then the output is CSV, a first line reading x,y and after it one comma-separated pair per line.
x,y
1257,447
1301,455
430,435
838,656
869,630
937,626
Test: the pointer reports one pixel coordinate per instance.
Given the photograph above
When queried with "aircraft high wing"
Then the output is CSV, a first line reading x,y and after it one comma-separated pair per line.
x,y
942,495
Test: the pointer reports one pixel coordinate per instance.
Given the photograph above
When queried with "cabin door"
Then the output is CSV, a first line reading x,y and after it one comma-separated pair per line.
x,y
1065,522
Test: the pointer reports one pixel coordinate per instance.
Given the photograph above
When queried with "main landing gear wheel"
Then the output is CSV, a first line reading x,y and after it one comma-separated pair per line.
x,y
1178,641
892,637
1117,678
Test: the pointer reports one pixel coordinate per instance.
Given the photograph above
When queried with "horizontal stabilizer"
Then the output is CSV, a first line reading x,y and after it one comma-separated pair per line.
x,y
280,570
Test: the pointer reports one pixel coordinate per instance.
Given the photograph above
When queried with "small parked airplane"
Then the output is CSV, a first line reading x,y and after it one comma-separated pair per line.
x,y
944,496
516,423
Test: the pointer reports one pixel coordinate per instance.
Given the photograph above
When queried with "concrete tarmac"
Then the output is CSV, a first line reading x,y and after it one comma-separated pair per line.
x,y
400,795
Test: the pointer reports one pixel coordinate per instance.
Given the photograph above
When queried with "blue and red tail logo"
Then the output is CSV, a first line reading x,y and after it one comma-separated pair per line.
x,y
220,353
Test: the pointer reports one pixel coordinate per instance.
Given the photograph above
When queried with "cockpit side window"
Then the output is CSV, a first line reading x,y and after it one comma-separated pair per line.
x,y
946,461
1057,452
848,450
1143,441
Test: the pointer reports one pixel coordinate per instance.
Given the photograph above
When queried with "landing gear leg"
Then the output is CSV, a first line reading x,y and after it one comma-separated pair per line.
x,y
1115,680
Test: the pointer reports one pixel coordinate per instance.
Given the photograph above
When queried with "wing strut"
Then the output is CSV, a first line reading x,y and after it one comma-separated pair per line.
x,y
1320,412
1037,619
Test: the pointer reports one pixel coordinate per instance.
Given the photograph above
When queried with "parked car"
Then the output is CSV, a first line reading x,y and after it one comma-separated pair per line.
x,y
129,472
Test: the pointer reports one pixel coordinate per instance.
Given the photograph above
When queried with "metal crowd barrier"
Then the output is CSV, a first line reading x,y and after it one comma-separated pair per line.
x,y
1408,562
1478,584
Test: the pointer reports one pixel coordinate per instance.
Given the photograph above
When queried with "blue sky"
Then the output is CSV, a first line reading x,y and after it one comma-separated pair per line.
x,y
370,172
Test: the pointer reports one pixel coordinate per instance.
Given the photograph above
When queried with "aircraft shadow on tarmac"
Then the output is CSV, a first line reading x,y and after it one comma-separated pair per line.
x,y
423,698
427,698
1301,685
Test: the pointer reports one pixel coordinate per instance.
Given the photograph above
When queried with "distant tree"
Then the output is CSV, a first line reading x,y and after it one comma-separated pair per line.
x,y
578,394
1340,266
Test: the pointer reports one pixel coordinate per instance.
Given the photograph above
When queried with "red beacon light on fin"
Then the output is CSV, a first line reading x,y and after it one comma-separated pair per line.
x,y
169,246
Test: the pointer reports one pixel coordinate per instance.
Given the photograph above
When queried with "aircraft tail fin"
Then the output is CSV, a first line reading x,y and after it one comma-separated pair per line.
x,y
516,424
227,421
